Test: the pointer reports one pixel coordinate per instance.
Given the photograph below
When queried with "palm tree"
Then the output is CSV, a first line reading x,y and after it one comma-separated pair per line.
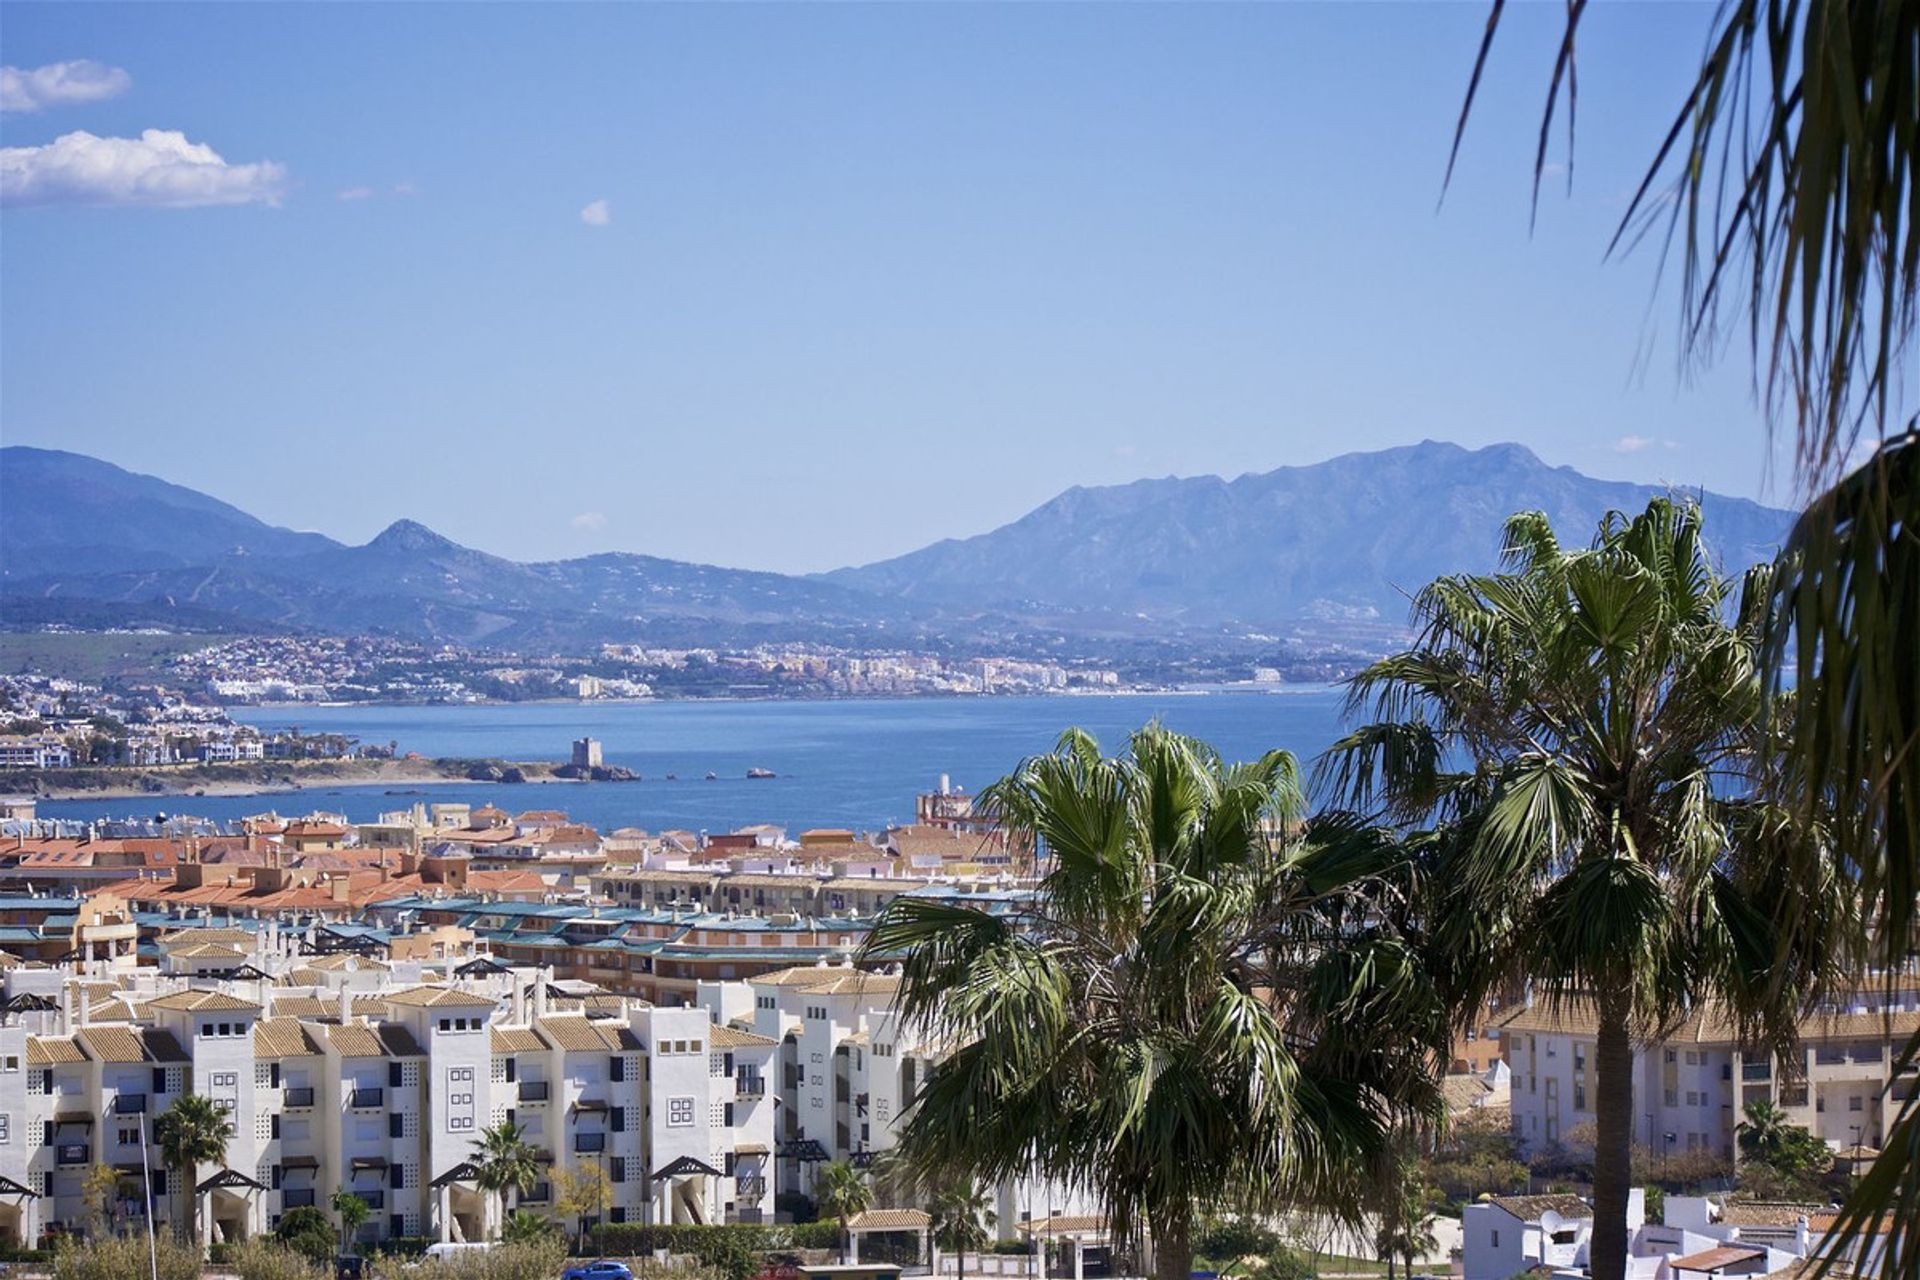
x,y
840,1192
1198,1006
352,1211
1763,1130
1788,178
1599,707
506,1163
963,1219
190,1133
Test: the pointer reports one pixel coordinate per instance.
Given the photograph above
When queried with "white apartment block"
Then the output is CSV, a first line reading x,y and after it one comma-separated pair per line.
x,y
1690,1089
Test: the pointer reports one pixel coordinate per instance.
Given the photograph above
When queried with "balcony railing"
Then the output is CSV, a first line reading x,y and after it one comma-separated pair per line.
x,y
130,1104
589,1143
300,1198
533,1090
747,1086
299,1097
1756,1071
72,1153
364,1099
750,1188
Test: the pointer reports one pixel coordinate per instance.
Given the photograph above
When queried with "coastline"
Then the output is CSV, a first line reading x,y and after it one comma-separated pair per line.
x,y
269,777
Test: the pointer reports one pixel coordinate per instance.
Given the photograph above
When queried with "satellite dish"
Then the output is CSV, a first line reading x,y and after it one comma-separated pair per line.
x,y
352,965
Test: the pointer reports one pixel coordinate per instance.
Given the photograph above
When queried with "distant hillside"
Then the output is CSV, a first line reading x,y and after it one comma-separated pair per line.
x,y
1346,536
87,543
66,512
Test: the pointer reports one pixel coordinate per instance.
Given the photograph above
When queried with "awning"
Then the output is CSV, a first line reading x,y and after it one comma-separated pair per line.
x,y
751,1149
300,1162
130,1170
229,1180
8,1187
361,1164
802,1149
74,1117
465,1171
589,1104
687,1167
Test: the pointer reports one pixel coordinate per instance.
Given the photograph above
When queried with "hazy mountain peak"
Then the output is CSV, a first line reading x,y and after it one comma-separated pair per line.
x,y
411,535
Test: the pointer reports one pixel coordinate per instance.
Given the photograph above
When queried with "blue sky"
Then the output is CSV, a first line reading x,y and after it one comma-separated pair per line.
x,y
867,276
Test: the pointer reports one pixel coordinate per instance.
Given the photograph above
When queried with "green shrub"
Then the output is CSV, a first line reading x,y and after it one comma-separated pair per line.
x,y
1011,1246
272,1260
541,1259
1285,1263
117,1257
1230,1239
640,1240
309,1231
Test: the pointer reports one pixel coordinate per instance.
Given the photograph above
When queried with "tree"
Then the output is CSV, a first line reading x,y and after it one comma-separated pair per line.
x,y
98,1191
190,1133
1766,1136
1403,1210
1788,177
1574,729
841,1193
580,1194
521,1227
306,1231
963,1219
352,1211
507,1164
1200,1006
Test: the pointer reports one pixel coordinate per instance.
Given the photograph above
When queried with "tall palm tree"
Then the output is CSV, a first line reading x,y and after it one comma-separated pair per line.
x,y
352,1211
840,1192
190,1133
1788,179
963,1219
1574,728
506,1163
1198,1006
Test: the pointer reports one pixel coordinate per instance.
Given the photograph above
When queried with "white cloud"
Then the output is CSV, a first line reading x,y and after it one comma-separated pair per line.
x,y
589,521
597,214
354,193
404,189
59,84
1632,444
160,168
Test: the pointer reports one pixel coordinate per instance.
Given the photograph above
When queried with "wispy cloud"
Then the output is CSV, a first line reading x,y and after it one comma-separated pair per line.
x,y
405,189
1640,444
160,169
597,214
60,84
354,193
589,521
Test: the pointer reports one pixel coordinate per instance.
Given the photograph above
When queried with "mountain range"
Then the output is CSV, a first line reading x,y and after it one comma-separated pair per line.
x,y
1341,540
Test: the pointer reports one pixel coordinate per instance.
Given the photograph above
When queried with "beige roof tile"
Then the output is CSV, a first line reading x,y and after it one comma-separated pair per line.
x,y
283,1038
381,1040
203,1002
725,1037
889,1220
577,1033
130,1044
517,1040
438,998
45,1051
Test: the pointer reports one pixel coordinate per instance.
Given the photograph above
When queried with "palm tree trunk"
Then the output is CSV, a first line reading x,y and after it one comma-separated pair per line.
x,y
1173,1244
1613,1137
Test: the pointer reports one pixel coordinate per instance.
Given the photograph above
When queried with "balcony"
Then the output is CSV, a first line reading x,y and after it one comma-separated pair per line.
x,y
1756,1071
533,1090
299,1097
747,1086
375,1198
589,1143
367,1099
130,1104
301,1198
538,1193
72,1153
750,1188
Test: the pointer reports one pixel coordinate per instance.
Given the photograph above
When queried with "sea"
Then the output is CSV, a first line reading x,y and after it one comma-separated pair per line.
x,y
855,763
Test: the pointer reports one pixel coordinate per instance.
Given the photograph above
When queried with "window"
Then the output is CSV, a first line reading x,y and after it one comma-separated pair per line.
x,y
6,1129
393,1075
680,1112
1853,1102
396,1125
617,1169
11,1062
617,1120
1496,1239
617,1070
460,1099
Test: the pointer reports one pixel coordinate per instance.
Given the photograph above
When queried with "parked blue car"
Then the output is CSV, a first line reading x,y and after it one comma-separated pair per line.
x,y
605,1269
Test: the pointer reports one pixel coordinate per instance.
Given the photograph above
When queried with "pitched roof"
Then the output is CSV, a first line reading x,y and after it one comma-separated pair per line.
x,y
1713,1259
283,1038
725,1037
1065,1224
130,1044
438,998
1766,1213
45,1051
579,1033
203,1002
1533,1208
381,1040
516,1040
890,1220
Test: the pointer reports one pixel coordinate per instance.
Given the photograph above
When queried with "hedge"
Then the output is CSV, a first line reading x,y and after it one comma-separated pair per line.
x,y
636,1240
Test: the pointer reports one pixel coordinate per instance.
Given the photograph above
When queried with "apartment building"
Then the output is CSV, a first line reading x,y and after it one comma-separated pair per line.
x,y
1691,1088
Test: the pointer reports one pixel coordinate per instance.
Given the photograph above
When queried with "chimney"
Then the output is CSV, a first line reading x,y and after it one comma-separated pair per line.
x,y
540,992
519,1016
266,998
66,1008
346,1007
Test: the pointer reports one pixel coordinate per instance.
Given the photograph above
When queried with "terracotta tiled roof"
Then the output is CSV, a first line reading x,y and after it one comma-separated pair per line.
x,y
384,1040
724,1037
1766,1213
1714,1259
890,1220
218,937
578,1033
205,951
438,998
130,1044
1063,1224
283,1038
517,1040
203,1002
1531,1208
46,1051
